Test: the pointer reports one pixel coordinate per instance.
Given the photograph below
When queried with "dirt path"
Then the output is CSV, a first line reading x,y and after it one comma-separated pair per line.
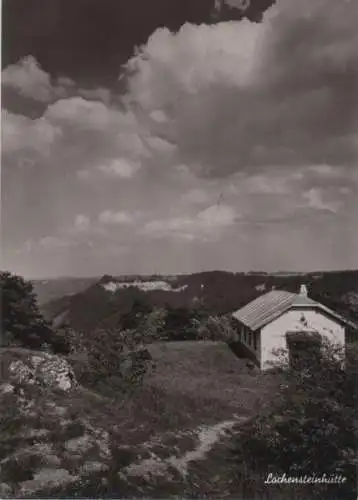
x,y
207,436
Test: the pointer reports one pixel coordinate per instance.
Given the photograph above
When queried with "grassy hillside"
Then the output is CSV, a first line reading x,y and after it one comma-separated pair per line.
x,y
206,371
171,436
74,442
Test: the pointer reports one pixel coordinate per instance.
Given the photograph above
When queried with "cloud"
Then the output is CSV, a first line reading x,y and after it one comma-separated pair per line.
x,y
78,112
314,200
58,37
158,116
116,169
114,218
196,196
238,4
207,97
82,222
91,138
160,145
266,184
205,225
21,134
97,94
217,216
28,79
53,242
327,171
223,87
174,66
119,168
236,9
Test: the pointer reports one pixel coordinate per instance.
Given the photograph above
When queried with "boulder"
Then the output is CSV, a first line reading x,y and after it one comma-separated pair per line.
x,y
24,367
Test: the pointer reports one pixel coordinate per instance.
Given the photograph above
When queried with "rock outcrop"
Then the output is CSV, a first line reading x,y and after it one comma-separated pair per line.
x,y
21,366
45,444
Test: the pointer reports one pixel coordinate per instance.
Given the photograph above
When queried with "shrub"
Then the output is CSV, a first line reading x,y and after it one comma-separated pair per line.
x,y
310,428
182,323
217,328
109,361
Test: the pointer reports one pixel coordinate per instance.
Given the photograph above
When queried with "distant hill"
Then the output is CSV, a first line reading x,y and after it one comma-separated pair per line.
x,y
86,304
55,288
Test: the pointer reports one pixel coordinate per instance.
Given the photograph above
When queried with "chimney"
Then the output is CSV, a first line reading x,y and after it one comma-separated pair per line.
x,y
303,290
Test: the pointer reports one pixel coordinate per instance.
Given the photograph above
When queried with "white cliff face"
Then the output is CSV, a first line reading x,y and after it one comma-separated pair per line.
x,y
45,369
146,286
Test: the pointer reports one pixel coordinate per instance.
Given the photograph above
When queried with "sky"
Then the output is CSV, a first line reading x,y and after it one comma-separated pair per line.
x,y
179,137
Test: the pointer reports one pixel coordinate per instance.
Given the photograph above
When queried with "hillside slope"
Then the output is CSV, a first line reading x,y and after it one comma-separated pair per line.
x,y
54,289
103,302
59,439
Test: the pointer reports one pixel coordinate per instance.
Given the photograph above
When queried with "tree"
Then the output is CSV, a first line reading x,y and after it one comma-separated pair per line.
x,y
178,324
22,322
311,427
111,362
138,311
152,326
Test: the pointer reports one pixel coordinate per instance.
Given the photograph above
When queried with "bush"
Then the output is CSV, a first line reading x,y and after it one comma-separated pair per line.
x,y
310,429
138,311
111,362
217,328
181,323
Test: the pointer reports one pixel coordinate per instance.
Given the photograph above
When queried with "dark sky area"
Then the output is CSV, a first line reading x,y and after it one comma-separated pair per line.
x,y
88,40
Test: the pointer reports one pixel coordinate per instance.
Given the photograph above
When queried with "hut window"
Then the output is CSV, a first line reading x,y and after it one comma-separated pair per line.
x,y
255,340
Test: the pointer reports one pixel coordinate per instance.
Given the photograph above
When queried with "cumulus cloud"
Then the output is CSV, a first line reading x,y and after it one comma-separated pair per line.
x,y
208,96
82,222
266,184
236,9
21,134
223,87
173,66
54,242
114,218
158,116
119,168
205,225
218,216
97,94
87,137
28,79
160,145
325,170
314,200
78,112
196,195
